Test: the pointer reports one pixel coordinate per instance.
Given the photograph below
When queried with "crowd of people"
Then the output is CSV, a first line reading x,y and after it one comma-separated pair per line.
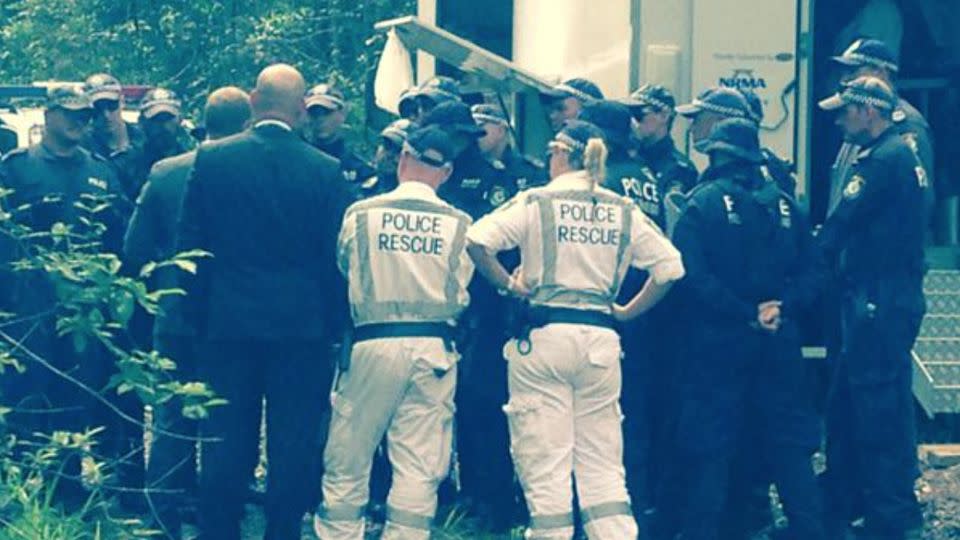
x,y
648,314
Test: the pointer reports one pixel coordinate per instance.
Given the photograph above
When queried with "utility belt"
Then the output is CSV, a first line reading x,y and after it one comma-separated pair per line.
x,y
531,317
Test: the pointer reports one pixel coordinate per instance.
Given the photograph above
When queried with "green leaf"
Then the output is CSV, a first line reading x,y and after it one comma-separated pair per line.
x,y
148,269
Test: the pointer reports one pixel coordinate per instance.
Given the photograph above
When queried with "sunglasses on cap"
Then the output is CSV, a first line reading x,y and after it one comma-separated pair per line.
x,y
106,105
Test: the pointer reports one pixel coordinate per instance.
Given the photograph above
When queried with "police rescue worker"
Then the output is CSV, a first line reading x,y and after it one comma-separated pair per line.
x,y
875,239
404,257
151,237
576,241
774,168
160,112
327,114
110,132
631,178
565,100
53,177
266,306
387,158
751,267
872,57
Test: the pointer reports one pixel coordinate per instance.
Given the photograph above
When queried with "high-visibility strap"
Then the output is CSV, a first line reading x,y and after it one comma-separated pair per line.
x,y
626,226
452,289
605,510
340,512
409,519
551,521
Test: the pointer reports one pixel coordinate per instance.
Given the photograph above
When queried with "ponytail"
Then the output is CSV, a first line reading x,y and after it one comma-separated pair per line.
x,y
595,160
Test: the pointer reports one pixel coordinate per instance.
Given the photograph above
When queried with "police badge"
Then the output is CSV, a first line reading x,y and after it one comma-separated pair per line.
x,y
497,196
852,191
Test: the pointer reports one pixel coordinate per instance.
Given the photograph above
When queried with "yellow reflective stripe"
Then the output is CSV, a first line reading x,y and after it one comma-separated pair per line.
x,y
452,289
409,519
551,521
605,510
626,227
341,512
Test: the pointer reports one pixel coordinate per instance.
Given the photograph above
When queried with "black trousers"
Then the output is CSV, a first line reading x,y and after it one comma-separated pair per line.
x,y
295,378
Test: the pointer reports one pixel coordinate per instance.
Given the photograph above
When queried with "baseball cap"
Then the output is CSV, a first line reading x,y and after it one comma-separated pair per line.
x,y
486,113
650,96
440,89
160,100
755,104
720,100
431,146
579,88
70,98
868,52
864,90
326,96
453,116
613,119
735,136
398,131
102,86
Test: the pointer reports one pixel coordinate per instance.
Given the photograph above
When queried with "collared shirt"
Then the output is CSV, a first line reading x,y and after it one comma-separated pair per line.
x,y
274,122
404,256
577,241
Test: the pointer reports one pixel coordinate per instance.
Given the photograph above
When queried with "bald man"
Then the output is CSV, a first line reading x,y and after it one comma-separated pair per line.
x,y
268,206
151,237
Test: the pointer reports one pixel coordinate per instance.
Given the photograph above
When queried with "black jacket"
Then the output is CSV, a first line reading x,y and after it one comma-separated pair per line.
x,y
269,207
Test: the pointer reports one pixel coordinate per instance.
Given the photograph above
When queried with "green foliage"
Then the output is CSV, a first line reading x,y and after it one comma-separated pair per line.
x,y
195,46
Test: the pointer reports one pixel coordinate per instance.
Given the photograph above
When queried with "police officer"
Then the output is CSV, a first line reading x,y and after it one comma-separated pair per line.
x,y
872,57
875,240
565,100
775,168
54,177
521,172
160,112
403,255
708,108
750,272
630,177
418,101
652,107
576,240
110,132
326,114
151,237
387,158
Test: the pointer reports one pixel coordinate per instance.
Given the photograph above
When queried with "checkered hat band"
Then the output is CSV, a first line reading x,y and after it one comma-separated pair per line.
x,y
576,93
575,145
856,97
719,109
481,118
429,156
872,60
655,102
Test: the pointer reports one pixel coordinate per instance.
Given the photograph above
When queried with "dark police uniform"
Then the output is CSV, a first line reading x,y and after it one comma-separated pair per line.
x,y
353,167
745,242
53,186
875,236
674,170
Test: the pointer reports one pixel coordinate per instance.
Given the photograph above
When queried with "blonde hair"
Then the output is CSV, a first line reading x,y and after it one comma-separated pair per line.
x,y
595,160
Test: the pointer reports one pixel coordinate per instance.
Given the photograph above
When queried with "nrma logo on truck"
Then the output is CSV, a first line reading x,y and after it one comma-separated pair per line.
x,y
743,79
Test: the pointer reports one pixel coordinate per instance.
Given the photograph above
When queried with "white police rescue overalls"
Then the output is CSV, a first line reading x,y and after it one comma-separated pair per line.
x,y
564,414
404,256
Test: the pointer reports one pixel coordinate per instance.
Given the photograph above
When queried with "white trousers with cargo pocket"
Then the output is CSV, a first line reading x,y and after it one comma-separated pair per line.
x,y
403,387
564,416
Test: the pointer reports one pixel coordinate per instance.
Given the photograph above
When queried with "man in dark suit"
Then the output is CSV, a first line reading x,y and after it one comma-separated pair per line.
x,y
151,236
267,205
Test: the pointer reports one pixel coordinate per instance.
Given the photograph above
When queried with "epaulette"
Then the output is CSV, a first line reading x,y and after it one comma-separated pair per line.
x,y
369,183
864,153
15,152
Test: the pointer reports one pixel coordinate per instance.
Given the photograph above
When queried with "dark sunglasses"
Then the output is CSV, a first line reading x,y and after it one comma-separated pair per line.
x,y
82,117
106,105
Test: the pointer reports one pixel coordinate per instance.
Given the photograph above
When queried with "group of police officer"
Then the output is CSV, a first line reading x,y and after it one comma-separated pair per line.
x,y
715,394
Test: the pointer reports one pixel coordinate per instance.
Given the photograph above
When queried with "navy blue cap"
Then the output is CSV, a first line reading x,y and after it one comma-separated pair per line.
x,y
613,119
486,113
650,96
407,106
102,86
430,145
864,90
720,100
440,89
868,52
575,134
453,116
326,96
755,104
398,131
735,136
69,97
159,100
579,88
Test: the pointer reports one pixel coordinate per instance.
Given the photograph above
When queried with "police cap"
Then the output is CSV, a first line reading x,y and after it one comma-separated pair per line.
x,y
430,145
864,90
68,97
102,86
738,137
612,118
868,52
326,96
720,100
160,100
582,89
454,117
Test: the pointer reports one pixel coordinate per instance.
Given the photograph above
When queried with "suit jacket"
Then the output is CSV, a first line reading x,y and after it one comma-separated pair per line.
x,y
268,206
151,235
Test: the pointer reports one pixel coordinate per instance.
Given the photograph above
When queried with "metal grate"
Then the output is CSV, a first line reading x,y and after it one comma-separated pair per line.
x,y
936,354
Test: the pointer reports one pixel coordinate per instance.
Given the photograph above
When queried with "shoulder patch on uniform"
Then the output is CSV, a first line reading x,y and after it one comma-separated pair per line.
x,y
15,152
899,115
369,182
497,195
854,187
